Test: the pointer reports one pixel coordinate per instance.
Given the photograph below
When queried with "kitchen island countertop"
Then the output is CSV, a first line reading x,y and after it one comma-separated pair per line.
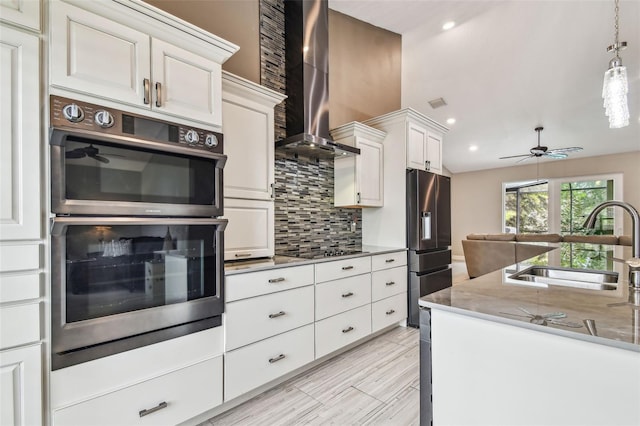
x,y
497,297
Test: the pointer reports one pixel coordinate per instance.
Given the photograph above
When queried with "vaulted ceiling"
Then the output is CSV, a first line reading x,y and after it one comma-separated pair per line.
x,y
510,66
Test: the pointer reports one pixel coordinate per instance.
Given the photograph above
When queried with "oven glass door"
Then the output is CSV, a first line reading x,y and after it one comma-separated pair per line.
x,y
94,176
119,277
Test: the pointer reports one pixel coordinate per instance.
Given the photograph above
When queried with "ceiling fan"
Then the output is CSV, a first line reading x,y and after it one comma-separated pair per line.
x,y
91,152
543,151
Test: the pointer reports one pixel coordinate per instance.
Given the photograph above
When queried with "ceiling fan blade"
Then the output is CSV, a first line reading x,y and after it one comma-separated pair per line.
x,y
100,158
568,149
525,158
515,156
552,154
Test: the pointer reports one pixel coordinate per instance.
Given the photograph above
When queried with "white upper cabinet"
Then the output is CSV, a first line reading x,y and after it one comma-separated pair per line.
x,y
107,55
359,180
25,13
424,148
19,135
248,127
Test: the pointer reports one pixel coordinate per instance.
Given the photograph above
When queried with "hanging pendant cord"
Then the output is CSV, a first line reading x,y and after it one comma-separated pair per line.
x,y
617,27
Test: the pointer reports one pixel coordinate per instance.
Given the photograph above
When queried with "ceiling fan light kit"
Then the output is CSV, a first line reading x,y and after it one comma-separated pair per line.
x,y
616,86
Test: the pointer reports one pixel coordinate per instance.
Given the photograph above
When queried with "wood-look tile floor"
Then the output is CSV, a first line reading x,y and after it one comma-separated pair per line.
x,y
376,383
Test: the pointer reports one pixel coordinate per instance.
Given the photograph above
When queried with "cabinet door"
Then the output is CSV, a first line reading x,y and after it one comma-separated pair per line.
x,y
434,152
25,13
250,232
186,84
248,144
416,146
21,386
369,173
19,135
97,56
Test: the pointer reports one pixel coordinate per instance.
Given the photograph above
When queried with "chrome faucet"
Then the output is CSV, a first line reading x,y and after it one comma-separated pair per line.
x,y
633,263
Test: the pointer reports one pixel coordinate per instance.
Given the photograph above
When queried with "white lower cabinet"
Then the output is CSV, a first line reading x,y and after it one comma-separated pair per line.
x,y
388,282
259,363
388,311
165,400
21,386
253,319
338,296
339,330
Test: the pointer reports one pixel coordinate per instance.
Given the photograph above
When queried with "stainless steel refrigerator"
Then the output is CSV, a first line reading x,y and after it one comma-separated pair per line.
x,y
428,237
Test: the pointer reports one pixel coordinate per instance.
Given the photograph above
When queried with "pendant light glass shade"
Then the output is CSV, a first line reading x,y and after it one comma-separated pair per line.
x,y
614,93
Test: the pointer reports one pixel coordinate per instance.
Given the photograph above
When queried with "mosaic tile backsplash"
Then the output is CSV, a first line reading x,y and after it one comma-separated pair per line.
x,y
306,222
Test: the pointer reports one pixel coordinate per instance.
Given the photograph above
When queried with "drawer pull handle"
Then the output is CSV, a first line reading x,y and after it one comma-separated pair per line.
x,y
146,412
243,254
390,260
390,283
390,311
348,329
276,280
346,268
158,94
276,359
347,294
277,314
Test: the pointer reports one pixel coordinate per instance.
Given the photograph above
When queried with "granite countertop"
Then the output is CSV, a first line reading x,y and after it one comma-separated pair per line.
x,y
244,266
497,297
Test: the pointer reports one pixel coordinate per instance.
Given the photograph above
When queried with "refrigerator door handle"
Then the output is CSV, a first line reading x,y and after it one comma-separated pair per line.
x,y
425,222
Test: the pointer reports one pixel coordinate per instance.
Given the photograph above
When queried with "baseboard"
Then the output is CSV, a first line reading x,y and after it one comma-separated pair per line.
x,y
457,257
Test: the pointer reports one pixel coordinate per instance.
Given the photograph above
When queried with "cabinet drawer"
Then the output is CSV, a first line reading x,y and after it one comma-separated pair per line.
x,y
338,296
242,286
187,392
388,260
16,287
19,325
388,311
328,271
387,282
19,257
254,365
340,330
250,320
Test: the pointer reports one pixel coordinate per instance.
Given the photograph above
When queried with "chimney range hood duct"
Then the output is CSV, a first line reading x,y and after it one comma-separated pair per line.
x,y
307,77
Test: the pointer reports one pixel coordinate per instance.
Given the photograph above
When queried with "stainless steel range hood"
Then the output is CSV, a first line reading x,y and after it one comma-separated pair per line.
x,y
307,77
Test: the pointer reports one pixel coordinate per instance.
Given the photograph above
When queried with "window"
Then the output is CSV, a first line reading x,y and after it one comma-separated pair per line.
x,y
526,208
561,206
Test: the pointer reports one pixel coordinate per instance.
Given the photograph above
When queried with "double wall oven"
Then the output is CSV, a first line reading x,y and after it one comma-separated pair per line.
x,y
137,246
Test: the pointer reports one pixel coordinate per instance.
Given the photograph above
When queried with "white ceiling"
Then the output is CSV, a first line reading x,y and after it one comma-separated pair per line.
x,y
509,66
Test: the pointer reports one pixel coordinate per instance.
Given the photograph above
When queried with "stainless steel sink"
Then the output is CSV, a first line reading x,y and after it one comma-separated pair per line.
x,y
565,277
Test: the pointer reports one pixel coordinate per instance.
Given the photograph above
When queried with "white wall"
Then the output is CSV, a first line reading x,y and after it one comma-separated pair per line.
x,y
476,197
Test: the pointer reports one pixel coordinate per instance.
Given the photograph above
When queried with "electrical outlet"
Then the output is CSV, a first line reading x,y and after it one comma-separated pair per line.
x,y
353,227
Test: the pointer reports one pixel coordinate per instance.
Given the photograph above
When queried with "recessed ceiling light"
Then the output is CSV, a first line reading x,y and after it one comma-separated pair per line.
x,y
473,148
451,120
448,25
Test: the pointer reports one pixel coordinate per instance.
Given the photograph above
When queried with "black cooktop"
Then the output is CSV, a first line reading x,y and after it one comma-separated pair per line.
x,y
331,253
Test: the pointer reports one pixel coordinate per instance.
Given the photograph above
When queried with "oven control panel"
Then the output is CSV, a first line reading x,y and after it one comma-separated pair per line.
x,y
69,113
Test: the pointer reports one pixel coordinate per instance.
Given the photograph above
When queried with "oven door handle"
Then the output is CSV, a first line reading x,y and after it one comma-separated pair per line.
x,y
59,224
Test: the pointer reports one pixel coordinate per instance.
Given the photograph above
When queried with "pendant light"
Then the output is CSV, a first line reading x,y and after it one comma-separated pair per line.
x,y
616,86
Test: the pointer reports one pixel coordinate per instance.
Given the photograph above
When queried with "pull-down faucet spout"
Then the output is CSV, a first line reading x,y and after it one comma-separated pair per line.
x,y
634,271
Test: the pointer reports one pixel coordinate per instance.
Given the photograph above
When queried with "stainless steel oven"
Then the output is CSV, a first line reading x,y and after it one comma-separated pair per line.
x,y
109,162
120,283
137,251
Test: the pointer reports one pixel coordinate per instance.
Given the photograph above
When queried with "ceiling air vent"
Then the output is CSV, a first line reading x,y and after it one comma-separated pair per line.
x,y
437,103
